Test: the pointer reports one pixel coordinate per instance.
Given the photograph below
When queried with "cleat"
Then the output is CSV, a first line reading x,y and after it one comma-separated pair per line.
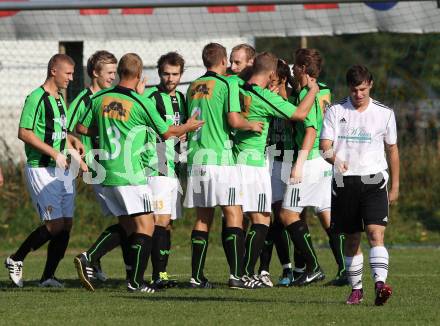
x,y
143,288
383,293
257,284
15,269
52,282
264,278
341,279
204,284
241,283
309,277
356,296
84,270
287,278
169,282
99,273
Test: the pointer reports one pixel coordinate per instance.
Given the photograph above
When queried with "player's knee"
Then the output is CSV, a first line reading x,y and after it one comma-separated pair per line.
x,y
375,237
352,244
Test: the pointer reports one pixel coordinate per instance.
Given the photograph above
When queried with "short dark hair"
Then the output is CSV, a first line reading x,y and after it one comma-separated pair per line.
x,y
172,59
264,62
56,59
213,54
358,74
311,59
130,66
98,59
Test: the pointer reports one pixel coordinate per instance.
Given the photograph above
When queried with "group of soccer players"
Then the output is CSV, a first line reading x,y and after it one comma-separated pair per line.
x,y
253,148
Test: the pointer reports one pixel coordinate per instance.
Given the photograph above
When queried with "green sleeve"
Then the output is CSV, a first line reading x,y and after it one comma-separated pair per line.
x,y
30,110
152,117
278,106
233,102
86,118
312,119
76,110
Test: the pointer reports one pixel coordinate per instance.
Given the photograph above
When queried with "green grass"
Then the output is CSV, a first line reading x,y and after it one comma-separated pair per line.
x,y
414,276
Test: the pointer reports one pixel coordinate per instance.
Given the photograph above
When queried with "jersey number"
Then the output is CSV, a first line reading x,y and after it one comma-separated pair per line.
x,y
114,136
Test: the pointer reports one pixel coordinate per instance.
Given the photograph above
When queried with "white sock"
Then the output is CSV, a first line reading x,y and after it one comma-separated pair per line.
x,y
354,266
379,263
289,265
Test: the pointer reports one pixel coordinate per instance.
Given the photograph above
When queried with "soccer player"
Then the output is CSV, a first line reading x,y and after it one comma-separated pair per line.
x,y
280,154
259,103
160,161
353,138
311,175
43,129
213,178
121,117
101,68
242,56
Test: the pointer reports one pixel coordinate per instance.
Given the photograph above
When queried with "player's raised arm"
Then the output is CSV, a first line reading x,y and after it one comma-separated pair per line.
x,y
306,104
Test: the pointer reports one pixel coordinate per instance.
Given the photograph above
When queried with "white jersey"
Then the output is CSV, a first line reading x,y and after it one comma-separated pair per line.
x,y
358,137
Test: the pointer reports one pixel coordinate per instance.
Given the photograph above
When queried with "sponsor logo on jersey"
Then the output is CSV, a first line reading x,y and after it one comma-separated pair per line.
x,y
343,120
245,104
116,108
202,89
175,118
62,121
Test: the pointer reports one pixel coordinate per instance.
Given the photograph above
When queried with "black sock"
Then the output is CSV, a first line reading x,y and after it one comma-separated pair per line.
x,y
224,236
337,242
168,247
107,241
234,248
254,244
34,241
299,233
298,258
159,252
55,252
266,252
282,242
140,249
199,246
125,247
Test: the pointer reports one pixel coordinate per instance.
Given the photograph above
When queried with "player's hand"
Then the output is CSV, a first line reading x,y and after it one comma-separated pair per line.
x,y
194,124
274,89
83,167
393,195
256,126
312,84
61,161
182,138
140,87
296,174
341,166
78,146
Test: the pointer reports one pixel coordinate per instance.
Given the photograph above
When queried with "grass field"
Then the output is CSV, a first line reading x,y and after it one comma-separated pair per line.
x,y
414,275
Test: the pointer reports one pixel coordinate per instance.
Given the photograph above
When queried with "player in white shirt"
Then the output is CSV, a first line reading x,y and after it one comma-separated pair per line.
x,y
355,133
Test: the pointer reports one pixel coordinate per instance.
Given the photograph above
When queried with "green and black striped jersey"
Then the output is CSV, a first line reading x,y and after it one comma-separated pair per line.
x,y
47,117
161,156
76,110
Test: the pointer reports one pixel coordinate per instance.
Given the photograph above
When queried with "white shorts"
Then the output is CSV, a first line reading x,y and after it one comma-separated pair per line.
x,y
313,191
256,188
167,196
97,188
212,185
52,197
128,200
279,179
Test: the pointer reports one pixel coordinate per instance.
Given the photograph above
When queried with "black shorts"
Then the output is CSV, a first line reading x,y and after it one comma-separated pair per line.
x,y
362,200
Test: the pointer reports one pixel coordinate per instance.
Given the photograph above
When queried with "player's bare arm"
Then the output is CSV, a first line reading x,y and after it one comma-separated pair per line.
x,y
190,125
307,145
307,103
236,121
394,161
1,178
327,152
